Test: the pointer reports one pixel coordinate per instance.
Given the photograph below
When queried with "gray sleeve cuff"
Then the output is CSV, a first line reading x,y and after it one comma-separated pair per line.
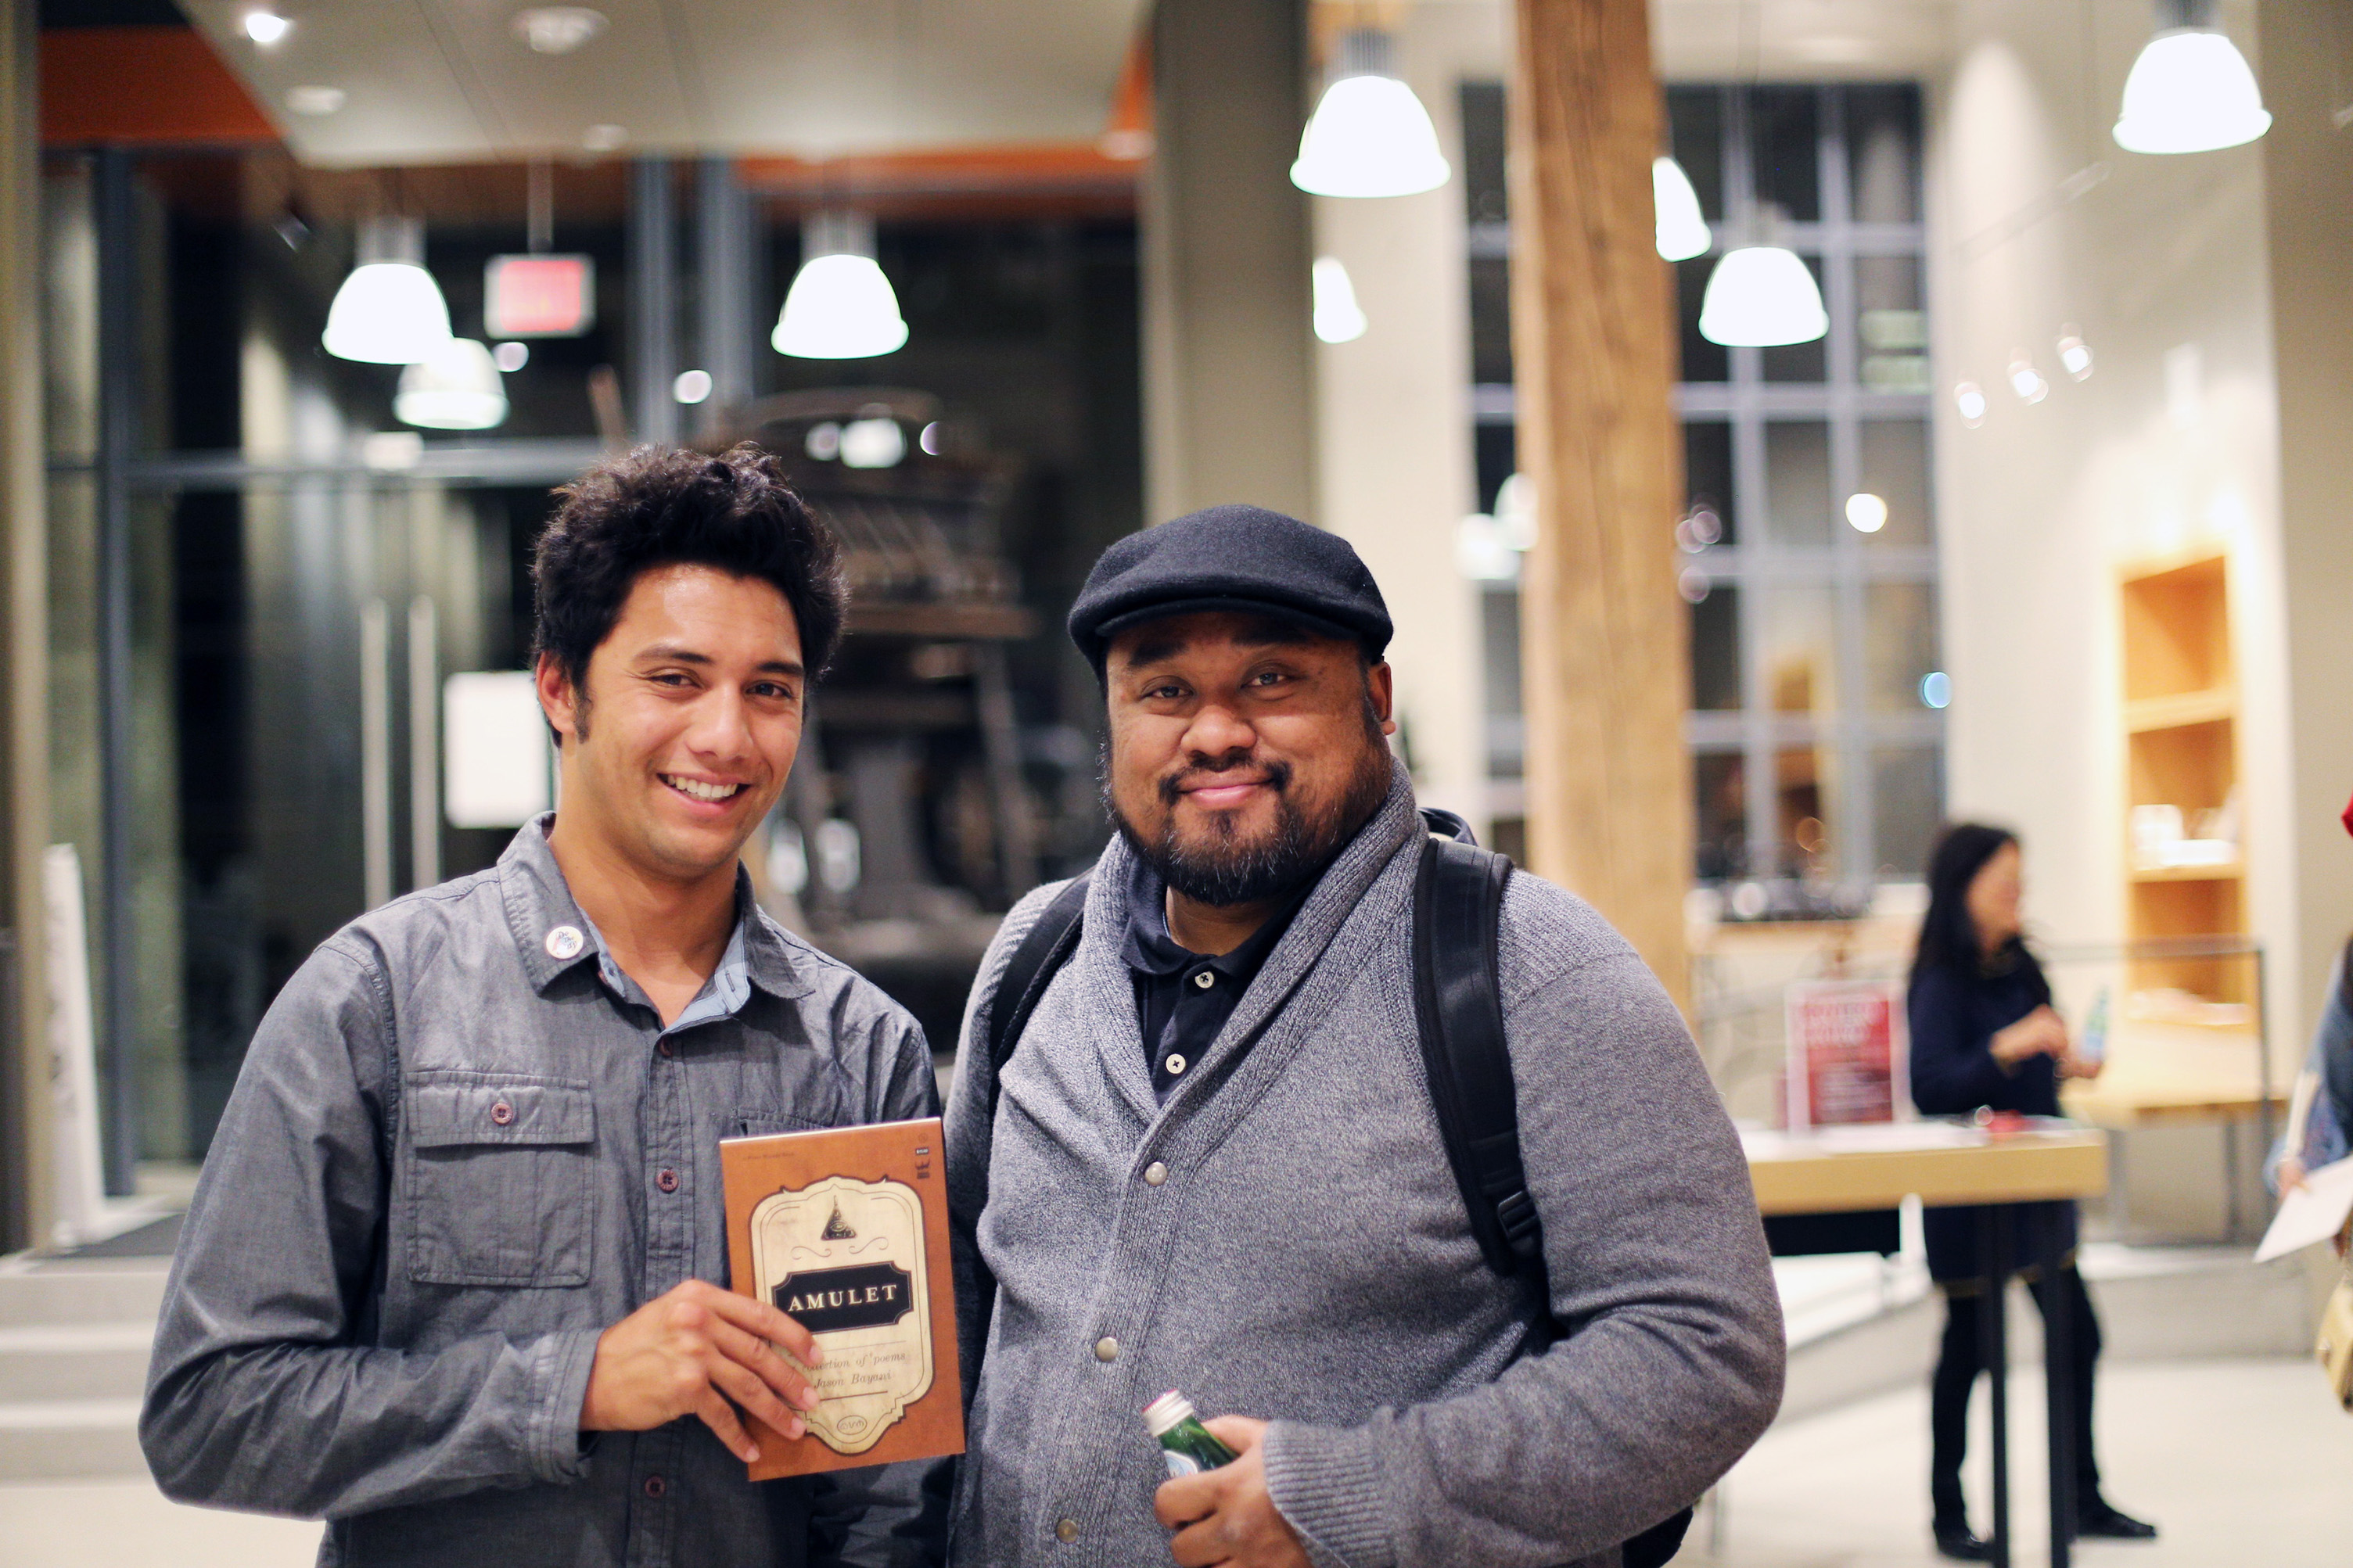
x,y
1327,1482
554,1443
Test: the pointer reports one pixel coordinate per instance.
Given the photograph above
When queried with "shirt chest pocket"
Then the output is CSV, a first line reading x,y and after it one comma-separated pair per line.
x,y
500,1180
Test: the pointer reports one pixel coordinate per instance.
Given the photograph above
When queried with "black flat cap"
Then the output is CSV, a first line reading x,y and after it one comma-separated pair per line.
x,y
1230,558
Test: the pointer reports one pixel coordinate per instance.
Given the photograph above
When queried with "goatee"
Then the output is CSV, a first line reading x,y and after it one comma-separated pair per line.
x,y
1227,870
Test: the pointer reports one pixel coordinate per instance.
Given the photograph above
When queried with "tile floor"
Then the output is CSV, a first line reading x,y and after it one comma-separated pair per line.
x,y
2237,1462
2240,1462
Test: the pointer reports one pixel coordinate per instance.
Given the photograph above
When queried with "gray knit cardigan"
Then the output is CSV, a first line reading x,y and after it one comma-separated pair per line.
x,y
1284,1238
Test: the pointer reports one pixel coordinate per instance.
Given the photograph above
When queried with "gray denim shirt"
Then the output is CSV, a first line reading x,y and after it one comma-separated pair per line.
x,y
462,1146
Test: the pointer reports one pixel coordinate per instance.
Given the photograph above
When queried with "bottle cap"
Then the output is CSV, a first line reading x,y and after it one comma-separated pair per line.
x,y
1167,1413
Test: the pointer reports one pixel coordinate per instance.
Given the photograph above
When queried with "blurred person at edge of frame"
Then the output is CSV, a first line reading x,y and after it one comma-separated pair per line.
x,y
2320,1115
1985,1036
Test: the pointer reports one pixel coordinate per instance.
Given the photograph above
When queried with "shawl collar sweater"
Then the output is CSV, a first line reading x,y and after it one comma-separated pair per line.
x,y
1283,1238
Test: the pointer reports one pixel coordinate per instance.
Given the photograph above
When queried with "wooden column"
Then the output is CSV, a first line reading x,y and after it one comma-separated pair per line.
x,y
1603,654
25,1184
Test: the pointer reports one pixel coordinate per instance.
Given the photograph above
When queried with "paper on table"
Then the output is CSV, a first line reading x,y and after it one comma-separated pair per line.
x,y
2310,1213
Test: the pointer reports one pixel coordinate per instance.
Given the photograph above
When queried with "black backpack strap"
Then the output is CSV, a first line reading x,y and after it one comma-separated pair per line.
x,y
1458,907
1045,948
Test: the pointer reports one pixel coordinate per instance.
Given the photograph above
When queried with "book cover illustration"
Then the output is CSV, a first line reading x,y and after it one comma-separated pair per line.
x,y
845,1231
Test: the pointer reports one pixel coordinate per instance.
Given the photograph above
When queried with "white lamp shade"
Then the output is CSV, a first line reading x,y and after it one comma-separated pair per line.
x,y
2190,92
387,313
839,307
1762,296
1682,232
1369,137
1338,318
457,387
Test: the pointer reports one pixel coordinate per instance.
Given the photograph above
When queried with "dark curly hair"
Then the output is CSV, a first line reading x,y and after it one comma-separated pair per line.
x,y
662,506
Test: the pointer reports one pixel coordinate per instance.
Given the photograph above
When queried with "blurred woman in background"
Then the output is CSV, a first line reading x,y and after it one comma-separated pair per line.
x,y
1985,1038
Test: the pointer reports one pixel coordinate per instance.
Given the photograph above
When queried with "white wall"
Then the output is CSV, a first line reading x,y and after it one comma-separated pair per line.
x,y
2039,219
2307,76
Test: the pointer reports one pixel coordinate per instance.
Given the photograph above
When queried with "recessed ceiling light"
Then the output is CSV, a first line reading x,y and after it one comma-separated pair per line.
x,y
314,99
558,29
265,26
604,138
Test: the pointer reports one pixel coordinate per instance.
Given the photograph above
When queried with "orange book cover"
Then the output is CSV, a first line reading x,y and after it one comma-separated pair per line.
x,y
845,1231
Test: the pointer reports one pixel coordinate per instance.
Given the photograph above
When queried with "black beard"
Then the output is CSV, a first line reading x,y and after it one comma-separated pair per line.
x,y
1230,872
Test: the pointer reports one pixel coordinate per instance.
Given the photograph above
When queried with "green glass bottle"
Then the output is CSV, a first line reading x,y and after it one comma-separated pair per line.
x,y
1187,1446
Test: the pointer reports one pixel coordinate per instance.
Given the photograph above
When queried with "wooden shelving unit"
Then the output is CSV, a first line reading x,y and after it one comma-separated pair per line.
x,y
2181,745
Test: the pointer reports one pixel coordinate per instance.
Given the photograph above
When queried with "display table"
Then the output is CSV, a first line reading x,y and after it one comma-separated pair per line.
x,y
1850,1169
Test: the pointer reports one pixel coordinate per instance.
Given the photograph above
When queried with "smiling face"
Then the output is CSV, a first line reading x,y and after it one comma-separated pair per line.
x,y
690,719
1244,752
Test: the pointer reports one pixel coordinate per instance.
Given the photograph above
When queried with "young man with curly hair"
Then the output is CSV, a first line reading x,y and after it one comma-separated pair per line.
x,y
451,1278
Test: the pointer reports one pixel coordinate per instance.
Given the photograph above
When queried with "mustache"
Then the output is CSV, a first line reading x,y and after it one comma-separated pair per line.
x,y
1199,769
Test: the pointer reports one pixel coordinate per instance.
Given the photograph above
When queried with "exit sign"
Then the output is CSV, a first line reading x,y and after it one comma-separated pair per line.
x,y
539,295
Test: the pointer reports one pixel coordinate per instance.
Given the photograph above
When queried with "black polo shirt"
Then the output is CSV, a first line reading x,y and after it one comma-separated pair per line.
x,y
1182,997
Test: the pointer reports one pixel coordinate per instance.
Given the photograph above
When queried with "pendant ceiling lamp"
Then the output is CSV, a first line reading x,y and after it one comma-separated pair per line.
x,y
456,388
1370,136
1762,296
1338,318
2190,91
389,311
1682,232
840,306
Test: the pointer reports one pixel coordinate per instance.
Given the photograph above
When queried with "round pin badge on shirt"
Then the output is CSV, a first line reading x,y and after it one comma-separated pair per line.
x,y
566,941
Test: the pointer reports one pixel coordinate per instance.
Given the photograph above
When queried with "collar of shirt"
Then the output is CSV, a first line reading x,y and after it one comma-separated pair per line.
x,y
1150,951
554,936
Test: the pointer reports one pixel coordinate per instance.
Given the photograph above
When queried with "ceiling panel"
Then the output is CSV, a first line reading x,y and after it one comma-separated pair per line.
x,y
1804,40
441,80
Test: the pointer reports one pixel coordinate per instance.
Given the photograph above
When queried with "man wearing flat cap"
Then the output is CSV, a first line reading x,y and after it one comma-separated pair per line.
x,y
1212,1160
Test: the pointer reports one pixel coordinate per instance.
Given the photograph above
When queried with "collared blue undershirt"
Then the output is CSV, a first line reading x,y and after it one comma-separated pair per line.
x,y
722,996
1183,998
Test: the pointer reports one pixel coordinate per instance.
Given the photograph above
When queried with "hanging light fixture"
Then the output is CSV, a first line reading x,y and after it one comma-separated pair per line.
x,y
457,387
2025,380
2190,91
2074,353
1370,136
1682,232
840,305
389,311
1762,296
1338,318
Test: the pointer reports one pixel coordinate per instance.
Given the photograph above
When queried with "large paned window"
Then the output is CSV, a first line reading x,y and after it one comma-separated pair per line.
x,y
1808,539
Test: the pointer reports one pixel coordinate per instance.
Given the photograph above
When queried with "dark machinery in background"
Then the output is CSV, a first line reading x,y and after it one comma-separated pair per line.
x,y
908,827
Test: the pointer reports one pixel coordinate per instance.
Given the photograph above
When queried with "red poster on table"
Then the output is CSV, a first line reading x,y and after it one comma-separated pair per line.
x,y
1849,1055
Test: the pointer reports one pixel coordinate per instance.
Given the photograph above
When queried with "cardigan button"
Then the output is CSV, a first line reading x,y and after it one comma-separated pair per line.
x,y
1155,1173
1066,1531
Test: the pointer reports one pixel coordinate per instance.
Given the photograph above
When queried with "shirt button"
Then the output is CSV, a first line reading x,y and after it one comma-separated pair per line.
x,y
1205,980
1155,1173
1066,1531
501,1113
665,1048
1175,1064
656,1485
565,942
667,1180
1106,1349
